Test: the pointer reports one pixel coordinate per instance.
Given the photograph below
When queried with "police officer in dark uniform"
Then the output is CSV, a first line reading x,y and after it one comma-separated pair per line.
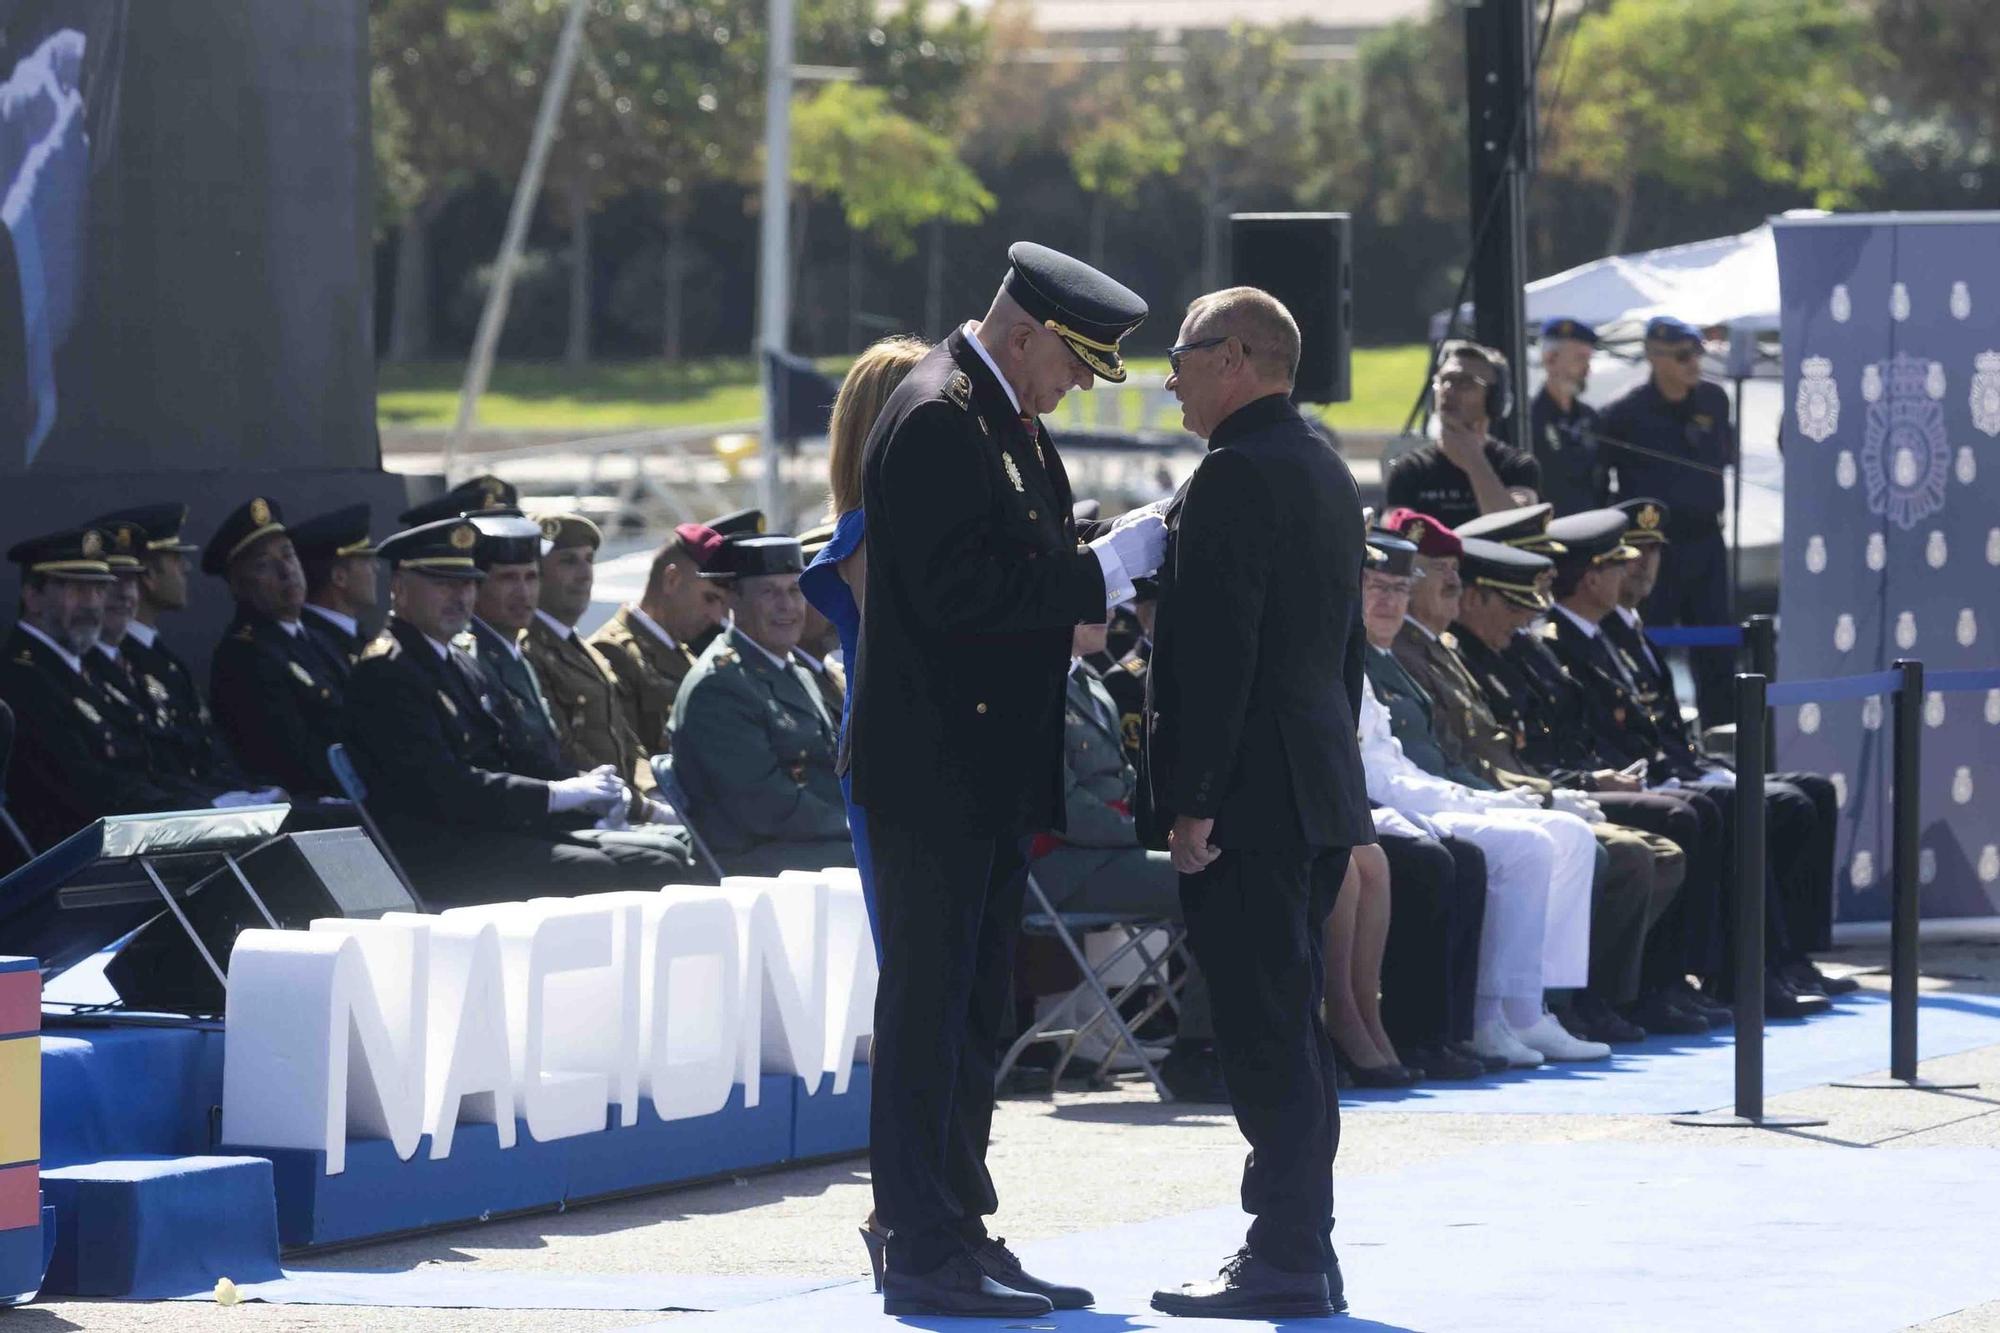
x,y
1467,472
510,554
276,688
1670,439
78,755
1562,428
339,564
470,496
975,582
471,819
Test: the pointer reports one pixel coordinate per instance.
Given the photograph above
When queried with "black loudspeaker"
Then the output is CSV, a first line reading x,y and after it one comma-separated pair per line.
x,y
1305,260
300,877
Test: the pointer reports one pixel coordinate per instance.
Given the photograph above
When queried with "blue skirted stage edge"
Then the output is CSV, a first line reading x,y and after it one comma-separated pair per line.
x,y
147,1204
22,1251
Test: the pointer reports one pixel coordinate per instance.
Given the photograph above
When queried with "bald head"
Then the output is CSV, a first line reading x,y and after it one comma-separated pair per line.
x,y
1258,321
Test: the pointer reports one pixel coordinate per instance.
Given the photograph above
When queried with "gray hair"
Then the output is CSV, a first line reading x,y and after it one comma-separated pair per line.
x,y
1269,334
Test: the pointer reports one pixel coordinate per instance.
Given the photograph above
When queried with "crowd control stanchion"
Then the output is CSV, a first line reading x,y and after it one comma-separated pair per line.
x,y
1760,646
1905,809
1748,879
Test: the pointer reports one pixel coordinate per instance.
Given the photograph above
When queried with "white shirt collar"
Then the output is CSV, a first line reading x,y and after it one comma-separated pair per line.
x,y
1628,614
291,627
513,645
74,662
562,631
144,633
1420,627
345,622
443,649
110,650
651,625
772,657
1589,627
808,661
987,357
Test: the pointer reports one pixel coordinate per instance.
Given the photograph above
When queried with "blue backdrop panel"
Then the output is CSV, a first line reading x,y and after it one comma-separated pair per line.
x,y
1892,529
123,1092
824,1125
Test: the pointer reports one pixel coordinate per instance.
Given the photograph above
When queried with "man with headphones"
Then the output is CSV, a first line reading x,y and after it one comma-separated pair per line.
x,y
1467,472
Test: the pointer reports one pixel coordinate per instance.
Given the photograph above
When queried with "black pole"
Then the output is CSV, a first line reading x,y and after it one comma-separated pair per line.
x,y
1746,879
1749,881
1499,55
1736,503
1760,641
1906,810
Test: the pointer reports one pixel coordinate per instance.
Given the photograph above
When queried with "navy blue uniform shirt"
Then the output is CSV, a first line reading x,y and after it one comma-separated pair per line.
x,y
1565,444
1696,429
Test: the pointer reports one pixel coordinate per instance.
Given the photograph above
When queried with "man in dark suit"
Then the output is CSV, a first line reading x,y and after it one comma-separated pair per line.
x,y
510,554
975,582
1256,689
276,689
469,818
341,578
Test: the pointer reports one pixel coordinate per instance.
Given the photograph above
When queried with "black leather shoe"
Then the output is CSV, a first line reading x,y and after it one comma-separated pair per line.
x,y
1493,1064
1715,1011
958,1286
1336,1286
1384,1076
1439,1063
1003,1266
1807,979
1193,1074
1657,1012
1781,1001
1600,1022
1249,1288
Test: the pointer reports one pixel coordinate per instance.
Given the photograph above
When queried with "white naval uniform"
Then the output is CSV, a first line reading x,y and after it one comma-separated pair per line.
x,y
1539,866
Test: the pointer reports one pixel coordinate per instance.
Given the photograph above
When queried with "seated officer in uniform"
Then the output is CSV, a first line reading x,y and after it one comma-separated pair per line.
x,y
78,755
510,554
1646,870
472,812
188,730
735,523
339,564
468,497
1467,472
1588,576
1646,524
1562,428
276,689
646,642
753,742
592,715
1097,865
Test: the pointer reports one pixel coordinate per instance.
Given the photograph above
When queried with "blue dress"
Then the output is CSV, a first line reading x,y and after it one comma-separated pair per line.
x,y
832,598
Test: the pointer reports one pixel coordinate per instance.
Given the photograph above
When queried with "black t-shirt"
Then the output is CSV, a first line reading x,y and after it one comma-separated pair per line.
x,y
1428,482
1565,444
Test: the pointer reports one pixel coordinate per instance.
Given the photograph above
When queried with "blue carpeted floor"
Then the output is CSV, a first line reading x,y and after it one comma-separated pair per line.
x,y
1670,1075
1560,1238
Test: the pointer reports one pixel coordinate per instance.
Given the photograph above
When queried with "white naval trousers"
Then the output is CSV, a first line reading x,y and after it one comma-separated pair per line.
x,y
1539,866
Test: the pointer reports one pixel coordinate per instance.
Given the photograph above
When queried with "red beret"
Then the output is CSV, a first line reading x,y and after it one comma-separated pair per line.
x,y
701,543
1431,537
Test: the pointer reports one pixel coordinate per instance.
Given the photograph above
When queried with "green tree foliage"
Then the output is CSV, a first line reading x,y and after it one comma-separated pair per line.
x,y
890,173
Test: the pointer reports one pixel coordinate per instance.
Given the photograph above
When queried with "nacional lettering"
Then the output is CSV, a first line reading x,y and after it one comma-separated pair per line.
x,y
561,1012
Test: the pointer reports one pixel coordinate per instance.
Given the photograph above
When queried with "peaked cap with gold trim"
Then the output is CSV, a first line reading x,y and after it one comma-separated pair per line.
x,y
443,549
1086,309
76,554
468,497
246,525
334,536
1645,522
161,523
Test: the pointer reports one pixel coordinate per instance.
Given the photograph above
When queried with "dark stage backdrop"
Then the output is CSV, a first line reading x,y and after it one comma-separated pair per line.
x,y
1892,530
184,278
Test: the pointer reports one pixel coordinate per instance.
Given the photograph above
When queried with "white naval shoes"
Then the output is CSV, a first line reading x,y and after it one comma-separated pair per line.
x,y
1556,1042
1496,1041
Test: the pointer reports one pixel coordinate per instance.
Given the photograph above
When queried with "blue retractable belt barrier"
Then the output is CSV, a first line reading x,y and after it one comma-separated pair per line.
x,y
1956,682
1832,688
1696,636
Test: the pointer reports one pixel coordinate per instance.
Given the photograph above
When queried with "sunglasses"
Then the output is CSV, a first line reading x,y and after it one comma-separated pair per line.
x,y
1174,354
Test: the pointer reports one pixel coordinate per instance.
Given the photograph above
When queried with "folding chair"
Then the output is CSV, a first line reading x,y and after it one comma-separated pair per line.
x,y
355,790
670,787
1042,918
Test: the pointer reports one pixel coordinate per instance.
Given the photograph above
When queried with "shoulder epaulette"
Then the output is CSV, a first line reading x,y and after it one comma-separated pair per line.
x,y
958,390
383,645
1548,631
464,640
1449,640
1134,665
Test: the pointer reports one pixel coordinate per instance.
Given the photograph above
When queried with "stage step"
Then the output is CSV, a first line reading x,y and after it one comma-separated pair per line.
x,y
161,1226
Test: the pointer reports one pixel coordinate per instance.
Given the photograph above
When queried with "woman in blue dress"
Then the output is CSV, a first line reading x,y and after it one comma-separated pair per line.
x,y
833,584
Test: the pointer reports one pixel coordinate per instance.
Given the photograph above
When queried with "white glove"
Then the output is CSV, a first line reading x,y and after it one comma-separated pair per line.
x,y
1133,550
598,791
1577,803
231,799
1517,798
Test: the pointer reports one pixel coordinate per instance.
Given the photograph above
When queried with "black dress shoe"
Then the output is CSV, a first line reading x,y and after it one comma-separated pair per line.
x,y
1193,1074
958,1286
1781,1001
1807,979
1492,1064
1439,1063
1600,1022
1249,1288
1657,1012
1003,1266
1336,1286
1384,1076
1715,1011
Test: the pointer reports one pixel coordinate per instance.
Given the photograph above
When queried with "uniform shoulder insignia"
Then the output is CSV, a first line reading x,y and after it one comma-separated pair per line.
x,y
464,641
383,645
958,389
1133,665
305,676
91,715
1449,640
1548,631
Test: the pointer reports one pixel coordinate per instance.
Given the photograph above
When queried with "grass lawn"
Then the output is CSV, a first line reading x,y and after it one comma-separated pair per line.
x,y
531,395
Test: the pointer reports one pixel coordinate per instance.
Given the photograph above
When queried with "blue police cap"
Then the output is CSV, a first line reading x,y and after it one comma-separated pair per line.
x,y
1562,326
1667,329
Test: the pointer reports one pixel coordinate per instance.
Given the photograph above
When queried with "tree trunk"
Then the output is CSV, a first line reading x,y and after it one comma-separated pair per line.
x,y
1098,218
1621,216
934,284
410,313
674,313
578,351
